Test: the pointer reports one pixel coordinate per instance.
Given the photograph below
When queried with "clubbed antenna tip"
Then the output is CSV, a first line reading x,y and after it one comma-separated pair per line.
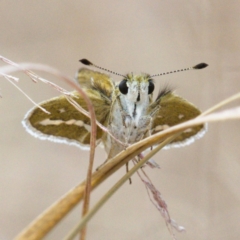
x,y
85,62
200,66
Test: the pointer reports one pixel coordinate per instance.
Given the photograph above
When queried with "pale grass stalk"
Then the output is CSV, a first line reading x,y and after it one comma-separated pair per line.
x,y
19,89
87,190
9,77
222,103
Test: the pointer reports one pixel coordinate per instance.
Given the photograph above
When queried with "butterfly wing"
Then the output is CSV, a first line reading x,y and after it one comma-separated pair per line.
x,y
101,82
65,123
174,110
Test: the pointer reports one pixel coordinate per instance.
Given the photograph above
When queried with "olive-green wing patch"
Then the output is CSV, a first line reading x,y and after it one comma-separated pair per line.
x,y
101,82
174,110
65,123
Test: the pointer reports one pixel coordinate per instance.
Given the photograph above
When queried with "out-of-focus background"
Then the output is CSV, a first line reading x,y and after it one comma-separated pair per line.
x,y
200,182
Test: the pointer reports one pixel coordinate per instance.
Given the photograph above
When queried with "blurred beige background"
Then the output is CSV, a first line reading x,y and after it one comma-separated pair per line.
x,y
200,183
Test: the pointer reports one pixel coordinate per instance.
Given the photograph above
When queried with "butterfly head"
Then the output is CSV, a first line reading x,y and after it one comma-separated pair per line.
x,y
136,87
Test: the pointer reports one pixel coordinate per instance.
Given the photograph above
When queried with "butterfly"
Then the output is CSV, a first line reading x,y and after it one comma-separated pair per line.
x,y
127,109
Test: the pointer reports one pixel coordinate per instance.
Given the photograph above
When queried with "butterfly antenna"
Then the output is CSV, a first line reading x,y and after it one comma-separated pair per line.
x,y
198,66
88,63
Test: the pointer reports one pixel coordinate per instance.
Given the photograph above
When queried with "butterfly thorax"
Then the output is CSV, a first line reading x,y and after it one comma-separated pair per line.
x,y
130,120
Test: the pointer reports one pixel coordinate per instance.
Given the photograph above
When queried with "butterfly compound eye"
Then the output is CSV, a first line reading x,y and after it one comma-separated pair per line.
x,y
150,86
123,86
